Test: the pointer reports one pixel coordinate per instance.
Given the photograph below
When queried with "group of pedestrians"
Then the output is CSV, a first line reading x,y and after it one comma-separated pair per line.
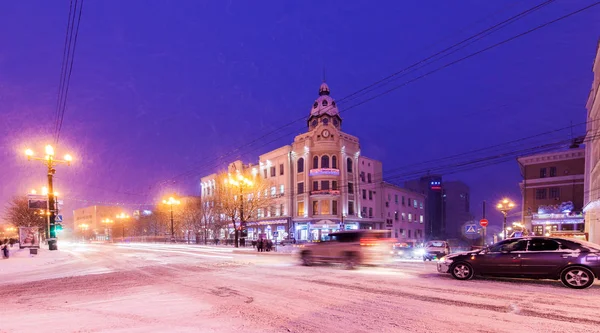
x,y
263,245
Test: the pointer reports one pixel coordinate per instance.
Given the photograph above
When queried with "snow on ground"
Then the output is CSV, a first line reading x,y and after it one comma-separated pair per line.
x,y
181,288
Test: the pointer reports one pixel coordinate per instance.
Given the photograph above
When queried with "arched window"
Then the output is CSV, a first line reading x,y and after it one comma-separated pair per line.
x,y
300,165
334,162
349,164
315,105
324,161
316,162
324,102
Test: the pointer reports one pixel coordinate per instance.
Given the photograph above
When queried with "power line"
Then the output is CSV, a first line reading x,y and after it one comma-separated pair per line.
x,y
485,32
67,63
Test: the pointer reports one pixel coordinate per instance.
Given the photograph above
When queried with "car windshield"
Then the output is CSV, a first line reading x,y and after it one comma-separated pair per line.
x,y
584,244
436,244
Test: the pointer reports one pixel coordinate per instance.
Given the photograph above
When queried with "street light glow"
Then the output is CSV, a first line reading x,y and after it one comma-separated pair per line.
x,y
49,150
68,158
29,152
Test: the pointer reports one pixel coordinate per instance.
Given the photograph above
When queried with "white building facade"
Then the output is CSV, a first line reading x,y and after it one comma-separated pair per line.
x,y
592,157
321,182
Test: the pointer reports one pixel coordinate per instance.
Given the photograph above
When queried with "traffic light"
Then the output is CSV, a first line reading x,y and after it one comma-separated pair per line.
x,y
58,227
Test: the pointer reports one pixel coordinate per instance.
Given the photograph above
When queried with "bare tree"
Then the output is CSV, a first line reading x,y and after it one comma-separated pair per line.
x,y
208,218
191,215
240,197
19,214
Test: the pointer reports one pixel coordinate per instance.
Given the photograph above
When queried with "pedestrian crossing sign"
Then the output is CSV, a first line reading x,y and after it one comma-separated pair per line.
x,y
470,229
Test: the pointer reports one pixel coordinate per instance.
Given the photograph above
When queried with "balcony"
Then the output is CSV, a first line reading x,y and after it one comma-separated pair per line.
x,y
324,172
325,192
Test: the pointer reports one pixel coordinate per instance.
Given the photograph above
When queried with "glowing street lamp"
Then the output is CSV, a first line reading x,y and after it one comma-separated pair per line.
x,y
505,206
50,161
108,222
172,201
241,182
122,217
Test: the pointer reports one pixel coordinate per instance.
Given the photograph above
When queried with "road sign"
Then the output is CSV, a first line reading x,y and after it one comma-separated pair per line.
x,y
58,218
470,229
275,233
483,222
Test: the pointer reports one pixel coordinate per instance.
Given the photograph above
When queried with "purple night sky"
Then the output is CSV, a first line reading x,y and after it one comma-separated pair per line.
x,y
163,87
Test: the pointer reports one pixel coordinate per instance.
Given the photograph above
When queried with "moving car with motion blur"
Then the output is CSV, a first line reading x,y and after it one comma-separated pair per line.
x,y
576,263
352,248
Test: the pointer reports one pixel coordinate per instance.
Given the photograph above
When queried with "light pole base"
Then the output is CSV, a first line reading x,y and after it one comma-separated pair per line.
x,y
52,245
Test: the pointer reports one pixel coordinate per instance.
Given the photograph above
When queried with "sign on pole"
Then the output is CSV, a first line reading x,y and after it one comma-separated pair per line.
x,y
37,201
470,229
483,222
58,218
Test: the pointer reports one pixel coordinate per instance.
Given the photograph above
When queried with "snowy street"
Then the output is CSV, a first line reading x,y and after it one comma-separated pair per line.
x,y
183,288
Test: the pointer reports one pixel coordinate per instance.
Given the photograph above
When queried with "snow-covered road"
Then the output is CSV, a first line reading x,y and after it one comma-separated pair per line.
x,y
181,288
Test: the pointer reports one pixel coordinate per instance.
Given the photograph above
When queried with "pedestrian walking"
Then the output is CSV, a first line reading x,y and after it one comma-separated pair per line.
x,y
5,249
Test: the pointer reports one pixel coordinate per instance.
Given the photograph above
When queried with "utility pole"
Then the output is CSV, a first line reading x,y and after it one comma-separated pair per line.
x,y
50,161
484,228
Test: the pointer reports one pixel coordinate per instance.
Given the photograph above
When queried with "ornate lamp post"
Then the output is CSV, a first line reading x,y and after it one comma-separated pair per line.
x,y
50,162
505,206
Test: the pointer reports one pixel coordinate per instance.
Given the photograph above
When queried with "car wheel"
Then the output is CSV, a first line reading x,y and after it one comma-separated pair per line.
x,y
350,260
462,271
577,277
306,258
424,258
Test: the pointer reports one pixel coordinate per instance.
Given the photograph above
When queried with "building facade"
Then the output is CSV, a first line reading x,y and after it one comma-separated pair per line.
x,y
592,154
552,191
97,222
431,188
404,213
457,208
321,182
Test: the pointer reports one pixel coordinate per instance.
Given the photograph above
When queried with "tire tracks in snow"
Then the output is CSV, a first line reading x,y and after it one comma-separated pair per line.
x,y
446,301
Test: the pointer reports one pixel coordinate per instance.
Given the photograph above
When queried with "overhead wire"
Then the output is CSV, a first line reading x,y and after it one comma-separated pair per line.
x,y
350,96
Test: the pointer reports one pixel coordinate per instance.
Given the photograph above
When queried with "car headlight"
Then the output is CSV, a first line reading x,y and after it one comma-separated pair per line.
x,y
420,252
446,260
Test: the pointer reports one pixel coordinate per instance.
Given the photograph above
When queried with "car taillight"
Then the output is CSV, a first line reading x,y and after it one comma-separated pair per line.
x,y
369,242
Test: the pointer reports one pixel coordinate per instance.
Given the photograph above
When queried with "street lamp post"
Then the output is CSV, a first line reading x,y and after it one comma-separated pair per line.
x,y
108,223
50,162
172,201
83,228
241,183
122,217
505,206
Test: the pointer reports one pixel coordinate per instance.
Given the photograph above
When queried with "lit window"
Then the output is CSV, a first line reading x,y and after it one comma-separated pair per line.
x,y
325,207
421,219
300,208
273,191
281,189
409,217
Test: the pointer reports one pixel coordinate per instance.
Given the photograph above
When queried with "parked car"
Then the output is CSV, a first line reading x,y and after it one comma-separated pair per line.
x,y
576,263
352,248
435,249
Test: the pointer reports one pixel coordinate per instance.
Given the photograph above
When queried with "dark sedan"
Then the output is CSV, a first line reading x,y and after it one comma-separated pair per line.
x,y
576,263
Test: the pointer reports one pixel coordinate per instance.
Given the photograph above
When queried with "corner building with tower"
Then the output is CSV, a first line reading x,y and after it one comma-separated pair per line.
x,y
321,183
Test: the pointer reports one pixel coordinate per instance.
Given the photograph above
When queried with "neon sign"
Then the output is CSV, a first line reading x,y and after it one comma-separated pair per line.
x,y
324,172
